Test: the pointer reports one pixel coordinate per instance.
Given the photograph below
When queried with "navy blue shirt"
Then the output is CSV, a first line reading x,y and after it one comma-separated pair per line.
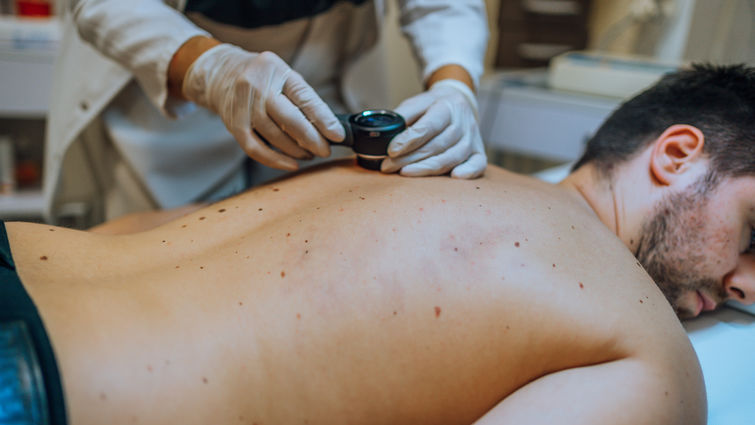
x,y
259,13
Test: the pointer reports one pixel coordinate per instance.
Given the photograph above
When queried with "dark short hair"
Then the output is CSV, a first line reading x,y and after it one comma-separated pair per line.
x,y
718,100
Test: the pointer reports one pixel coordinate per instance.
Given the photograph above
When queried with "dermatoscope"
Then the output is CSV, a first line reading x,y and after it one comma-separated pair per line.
x,y
369,132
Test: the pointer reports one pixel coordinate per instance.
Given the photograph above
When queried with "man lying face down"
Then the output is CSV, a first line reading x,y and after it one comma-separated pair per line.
x,y
346,296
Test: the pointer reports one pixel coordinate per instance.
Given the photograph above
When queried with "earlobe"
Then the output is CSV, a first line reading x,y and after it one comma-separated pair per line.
x,y
674,151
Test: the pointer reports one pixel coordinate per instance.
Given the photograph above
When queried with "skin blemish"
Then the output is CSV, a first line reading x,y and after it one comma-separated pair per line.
x,y
178,267
183,226
204,380
52,230
288,234
43,258
421,209
395,312
362,198
222,210
306,251
572,227
260,209
163,240
340,210
437,311
443,201
554,265
298,316
641,302
306,240
103,396
516,244
581,285
631,241
149,368
201,267
456,249
202,218
240,303
275,189
283,273
477,187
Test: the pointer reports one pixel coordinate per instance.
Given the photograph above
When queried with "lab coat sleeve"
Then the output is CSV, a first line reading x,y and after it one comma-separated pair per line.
x,y
444,32
142,36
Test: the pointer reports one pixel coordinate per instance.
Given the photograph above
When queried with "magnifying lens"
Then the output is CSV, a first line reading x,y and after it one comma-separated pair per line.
x,y
369,132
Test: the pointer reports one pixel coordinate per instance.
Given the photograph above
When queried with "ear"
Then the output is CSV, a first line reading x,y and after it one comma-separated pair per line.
x,y
675,151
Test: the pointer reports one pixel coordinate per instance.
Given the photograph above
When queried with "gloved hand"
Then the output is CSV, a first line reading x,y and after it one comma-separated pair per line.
x,y
261,99
443,134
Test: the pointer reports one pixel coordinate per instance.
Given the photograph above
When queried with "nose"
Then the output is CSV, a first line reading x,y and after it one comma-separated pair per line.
x,y
740,283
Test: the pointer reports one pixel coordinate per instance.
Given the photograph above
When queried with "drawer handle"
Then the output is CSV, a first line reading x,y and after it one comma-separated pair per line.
x,y
552,7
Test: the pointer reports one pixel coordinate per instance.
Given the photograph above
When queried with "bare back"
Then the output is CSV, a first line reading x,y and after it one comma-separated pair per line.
x,y
345,296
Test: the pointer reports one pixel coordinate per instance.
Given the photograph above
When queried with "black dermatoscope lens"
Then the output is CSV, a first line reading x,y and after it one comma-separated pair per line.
x,y
369,132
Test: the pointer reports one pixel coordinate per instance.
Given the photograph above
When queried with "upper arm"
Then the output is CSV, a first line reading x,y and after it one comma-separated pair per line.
x,y
625,391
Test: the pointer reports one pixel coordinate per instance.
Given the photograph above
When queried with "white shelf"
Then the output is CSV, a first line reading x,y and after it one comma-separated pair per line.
x,y
22,204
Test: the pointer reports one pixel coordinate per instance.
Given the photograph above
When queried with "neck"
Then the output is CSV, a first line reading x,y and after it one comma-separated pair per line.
x,y
601,196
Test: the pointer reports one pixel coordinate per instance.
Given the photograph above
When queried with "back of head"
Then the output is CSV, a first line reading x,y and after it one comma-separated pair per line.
x,y
718,100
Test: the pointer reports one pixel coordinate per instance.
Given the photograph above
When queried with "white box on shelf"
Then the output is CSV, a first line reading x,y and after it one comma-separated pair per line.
x,y
521,114
27,53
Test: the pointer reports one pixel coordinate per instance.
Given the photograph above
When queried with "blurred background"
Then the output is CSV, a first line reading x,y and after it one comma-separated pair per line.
x,y
554,70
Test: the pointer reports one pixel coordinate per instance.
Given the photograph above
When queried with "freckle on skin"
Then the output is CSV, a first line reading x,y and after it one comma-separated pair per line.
x,y
572,227
43,258
240,303
259,209
202,218
275,189
554,265
204,379
183,226
52,230
149,368
641,302
298,316
288,234
283,273
201,267
456,249
103,396
516,244
581,285
437,311
178,267
222,210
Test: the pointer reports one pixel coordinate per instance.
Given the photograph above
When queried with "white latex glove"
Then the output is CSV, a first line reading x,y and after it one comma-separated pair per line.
x,y
261,99
442,134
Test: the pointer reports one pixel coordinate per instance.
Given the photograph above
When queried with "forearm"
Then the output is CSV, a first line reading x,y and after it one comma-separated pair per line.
x,y
455,72
182,60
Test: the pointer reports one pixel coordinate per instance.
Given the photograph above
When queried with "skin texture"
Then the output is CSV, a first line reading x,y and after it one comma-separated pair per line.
x,y
347,296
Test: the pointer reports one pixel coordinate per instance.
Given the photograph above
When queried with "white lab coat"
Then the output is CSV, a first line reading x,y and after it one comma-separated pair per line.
x,y
138,38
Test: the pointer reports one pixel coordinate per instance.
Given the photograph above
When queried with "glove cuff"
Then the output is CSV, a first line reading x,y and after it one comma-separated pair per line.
x,y
461,87
198,82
